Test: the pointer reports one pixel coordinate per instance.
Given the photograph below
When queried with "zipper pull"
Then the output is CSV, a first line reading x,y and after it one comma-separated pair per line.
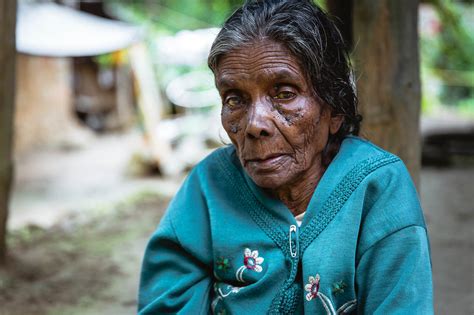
x,y
293,248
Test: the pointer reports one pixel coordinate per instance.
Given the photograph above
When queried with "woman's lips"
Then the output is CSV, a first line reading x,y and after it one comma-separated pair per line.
x,y
267,163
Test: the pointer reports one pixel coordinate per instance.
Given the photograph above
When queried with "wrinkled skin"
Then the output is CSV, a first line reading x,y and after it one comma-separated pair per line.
x,y
275,122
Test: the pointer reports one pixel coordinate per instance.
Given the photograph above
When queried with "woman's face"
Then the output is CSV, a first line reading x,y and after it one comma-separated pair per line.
x,y
271,116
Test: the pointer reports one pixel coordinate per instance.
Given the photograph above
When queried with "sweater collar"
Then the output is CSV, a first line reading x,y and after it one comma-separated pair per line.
x,y
350,153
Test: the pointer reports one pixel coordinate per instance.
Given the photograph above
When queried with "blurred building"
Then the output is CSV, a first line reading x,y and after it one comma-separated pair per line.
x,y
60,82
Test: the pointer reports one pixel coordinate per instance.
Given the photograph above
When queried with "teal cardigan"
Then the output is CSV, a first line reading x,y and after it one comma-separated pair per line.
x,y
225,246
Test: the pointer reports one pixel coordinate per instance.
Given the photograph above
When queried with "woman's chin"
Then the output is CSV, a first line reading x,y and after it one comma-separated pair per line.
x,y
267,180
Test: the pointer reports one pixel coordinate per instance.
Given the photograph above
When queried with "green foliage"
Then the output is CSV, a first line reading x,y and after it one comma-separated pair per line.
x,y
170,16
321,3
450,53
175,15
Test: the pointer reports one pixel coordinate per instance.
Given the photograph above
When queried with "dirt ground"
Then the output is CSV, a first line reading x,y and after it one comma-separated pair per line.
x,y
448,202
83,264
77,241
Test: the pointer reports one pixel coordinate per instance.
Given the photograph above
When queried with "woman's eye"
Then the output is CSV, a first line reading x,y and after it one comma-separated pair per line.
x,y
233,101
284,95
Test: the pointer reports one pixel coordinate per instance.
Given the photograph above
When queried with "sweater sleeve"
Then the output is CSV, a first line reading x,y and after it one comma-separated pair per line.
x,y
394,275
176,275
393,270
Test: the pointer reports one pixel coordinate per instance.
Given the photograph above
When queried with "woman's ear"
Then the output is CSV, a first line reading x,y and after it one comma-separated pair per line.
x,y
335,123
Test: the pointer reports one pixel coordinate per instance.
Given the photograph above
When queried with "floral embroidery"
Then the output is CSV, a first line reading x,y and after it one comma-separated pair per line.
x,y
338,287
222,294
223,264
251,262
231,290
313,291
312,287
347,307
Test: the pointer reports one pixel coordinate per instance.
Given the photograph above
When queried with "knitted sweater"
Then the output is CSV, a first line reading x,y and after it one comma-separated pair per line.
x,y
225,246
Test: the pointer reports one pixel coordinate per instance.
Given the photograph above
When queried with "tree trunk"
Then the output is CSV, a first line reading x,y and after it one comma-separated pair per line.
x,y
7,100
387,67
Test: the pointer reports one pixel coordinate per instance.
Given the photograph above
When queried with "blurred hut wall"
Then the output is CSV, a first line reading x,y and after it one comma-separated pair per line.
x,y
43,102
60,78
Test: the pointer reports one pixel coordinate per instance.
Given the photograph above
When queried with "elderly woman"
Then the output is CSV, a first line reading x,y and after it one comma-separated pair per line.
x,y
298,215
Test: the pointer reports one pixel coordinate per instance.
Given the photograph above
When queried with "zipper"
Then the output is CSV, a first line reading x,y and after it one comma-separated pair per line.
x,y
293,241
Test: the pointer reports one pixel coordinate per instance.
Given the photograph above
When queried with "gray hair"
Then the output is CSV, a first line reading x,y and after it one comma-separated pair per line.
x,y
313,38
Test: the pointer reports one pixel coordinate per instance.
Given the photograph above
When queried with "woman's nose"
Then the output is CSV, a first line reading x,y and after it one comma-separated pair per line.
x,y
259,122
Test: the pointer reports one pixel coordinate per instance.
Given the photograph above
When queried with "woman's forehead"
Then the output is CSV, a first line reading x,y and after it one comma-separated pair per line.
x,y
266,57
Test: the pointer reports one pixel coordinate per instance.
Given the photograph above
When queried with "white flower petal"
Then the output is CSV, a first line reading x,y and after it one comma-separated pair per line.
x,y
308,287
311,279
247,252
258,268
255,254
317,277
309,297
259,260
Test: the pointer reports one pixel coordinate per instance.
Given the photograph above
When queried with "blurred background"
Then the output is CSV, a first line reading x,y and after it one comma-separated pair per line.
x,y
114,103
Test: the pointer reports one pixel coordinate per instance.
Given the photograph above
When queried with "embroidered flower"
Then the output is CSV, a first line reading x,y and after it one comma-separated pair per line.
x,y
338,287
252,261
223,264
312,287
313,292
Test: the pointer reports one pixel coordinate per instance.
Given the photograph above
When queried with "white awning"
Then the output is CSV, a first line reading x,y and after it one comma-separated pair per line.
x,y
53,30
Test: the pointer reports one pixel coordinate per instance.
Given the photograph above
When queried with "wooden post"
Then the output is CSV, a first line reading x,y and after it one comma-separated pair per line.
x,y
151,106
7,101
387,72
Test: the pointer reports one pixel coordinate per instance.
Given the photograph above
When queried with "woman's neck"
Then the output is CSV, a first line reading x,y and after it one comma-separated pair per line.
x,y
298,195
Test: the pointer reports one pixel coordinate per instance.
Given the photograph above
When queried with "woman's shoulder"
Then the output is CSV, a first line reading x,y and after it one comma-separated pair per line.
x,y
363,159
377,164
222,161
357,161
213,173
361,149
217,157
390,199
